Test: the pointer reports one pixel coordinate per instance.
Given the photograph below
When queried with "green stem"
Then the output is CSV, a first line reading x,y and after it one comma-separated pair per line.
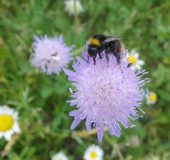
x,y
75,16
115,147
78,50
118,152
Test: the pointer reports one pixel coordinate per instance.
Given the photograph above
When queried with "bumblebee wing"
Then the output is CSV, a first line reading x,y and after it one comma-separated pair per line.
x,y
111,38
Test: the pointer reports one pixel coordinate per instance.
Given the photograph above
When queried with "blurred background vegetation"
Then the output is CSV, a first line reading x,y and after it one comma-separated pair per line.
x,y
41,99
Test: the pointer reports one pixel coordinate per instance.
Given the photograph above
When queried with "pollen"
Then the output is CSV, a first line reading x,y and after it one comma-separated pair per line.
x,y
94,41
132,59
6,122
153,96
93,154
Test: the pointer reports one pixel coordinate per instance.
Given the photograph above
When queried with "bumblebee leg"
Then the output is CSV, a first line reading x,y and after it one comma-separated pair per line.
x,y
100,56
107,58
108,50
117,55
88,60
94,60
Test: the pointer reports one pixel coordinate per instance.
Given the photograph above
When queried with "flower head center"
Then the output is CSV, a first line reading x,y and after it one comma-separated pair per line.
x,y
132,59
58,159
152,97
6,122
93,154
56,57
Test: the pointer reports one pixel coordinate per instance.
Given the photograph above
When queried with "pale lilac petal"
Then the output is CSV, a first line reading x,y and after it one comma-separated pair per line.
x,y
74,113
60,38
68,72
75,123
88,124
36,38
85,56
115,130
124,122
100,133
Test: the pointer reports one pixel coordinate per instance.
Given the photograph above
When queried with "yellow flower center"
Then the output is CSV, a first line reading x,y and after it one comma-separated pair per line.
x,y
93,154
132,59
6,122
152,96
59,159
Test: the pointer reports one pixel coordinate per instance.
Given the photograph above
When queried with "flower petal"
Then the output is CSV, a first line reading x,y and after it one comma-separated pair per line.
x,y
75,123
88,124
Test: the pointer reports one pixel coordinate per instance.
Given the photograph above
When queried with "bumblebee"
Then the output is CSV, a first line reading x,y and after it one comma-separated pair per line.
x,y
99,43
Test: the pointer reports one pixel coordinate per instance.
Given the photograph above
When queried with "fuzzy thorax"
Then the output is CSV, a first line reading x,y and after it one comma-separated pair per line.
x,y
94,41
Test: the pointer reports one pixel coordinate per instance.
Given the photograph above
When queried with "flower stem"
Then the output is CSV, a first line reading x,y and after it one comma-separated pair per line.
x,y
78,50
116,147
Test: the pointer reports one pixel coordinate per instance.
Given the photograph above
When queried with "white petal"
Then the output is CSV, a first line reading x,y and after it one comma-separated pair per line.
x,y
7,136
141,62
136,55
59,155
16,128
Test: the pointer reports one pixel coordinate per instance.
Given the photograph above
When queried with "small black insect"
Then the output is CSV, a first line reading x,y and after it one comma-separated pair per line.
x,y
99,43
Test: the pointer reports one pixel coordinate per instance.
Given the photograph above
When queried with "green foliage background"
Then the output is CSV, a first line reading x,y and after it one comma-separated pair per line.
x,y
41,99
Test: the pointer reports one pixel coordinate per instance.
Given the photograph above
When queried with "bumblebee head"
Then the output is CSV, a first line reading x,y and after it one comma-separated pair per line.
x,y
94,41
92,50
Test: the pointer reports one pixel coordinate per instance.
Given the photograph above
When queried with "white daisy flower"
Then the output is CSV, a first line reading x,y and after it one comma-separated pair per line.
x,y
73,7
151,98
59,156
93,152
8,122
133,57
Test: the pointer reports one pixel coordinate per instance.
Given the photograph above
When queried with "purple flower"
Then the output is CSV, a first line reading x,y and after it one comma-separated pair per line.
x,y
50,54
105,94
